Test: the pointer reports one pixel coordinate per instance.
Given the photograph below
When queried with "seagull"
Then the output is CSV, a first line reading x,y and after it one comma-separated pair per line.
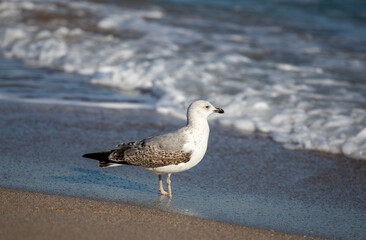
x,y
169,153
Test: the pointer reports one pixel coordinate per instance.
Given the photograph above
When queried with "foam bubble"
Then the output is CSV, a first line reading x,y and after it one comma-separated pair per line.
x,y
289,67
349,148
244,124
153,14
108,23
361,136
261,106
11,36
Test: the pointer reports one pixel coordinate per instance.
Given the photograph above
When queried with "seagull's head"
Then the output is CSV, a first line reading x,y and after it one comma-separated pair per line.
x,y
202,109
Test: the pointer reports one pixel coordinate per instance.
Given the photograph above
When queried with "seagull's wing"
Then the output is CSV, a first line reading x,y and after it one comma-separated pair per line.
x,y
153,152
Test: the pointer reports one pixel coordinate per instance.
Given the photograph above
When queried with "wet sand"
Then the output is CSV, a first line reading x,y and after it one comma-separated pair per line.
x,y
26,215
246,180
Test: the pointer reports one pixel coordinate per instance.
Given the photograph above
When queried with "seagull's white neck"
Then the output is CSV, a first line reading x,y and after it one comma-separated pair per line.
x,y
197,122
200,124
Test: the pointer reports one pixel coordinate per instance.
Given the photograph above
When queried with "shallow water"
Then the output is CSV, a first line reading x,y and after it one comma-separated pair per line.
x,y
244,179
291,69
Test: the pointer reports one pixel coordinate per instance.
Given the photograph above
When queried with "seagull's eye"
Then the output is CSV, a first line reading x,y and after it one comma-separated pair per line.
x,y
207,107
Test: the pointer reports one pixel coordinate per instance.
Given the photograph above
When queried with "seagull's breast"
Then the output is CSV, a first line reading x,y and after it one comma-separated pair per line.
x,y
196,144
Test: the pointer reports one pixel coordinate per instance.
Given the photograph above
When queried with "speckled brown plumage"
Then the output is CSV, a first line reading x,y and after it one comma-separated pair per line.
x,y
168,153
147,155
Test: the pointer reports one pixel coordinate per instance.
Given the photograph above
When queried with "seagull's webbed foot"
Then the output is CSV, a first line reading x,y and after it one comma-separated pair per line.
x,y
161,189
163,192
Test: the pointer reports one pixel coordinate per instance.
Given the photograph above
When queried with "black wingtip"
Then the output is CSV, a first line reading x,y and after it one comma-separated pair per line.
x,y
89,155
101,156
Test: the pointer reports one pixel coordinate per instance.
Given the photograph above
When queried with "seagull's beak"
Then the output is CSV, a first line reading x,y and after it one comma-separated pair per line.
x,y
219,110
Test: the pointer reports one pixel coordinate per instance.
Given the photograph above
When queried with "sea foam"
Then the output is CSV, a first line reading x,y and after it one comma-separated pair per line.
x,y
241,67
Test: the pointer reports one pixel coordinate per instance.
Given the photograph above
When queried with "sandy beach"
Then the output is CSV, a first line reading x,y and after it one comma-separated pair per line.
x,y
26,215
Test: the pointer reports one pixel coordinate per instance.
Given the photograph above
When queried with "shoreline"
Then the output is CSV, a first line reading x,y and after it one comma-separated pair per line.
x,y
29,215
244,179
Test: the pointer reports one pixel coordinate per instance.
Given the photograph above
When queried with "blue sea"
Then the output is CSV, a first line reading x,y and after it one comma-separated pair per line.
x,y
294,70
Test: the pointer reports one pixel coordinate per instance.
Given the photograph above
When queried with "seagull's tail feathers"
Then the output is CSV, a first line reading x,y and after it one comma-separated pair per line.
x,y
103,158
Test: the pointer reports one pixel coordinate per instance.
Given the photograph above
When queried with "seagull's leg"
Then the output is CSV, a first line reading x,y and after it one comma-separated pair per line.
x,y
169,188
161,189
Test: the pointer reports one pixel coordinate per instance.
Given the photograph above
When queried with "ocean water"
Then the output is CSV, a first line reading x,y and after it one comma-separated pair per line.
x,y
294,70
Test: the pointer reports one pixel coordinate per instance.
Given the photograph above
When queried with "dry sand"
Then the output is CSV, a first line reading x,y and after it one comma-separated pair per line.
x,y
27,215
